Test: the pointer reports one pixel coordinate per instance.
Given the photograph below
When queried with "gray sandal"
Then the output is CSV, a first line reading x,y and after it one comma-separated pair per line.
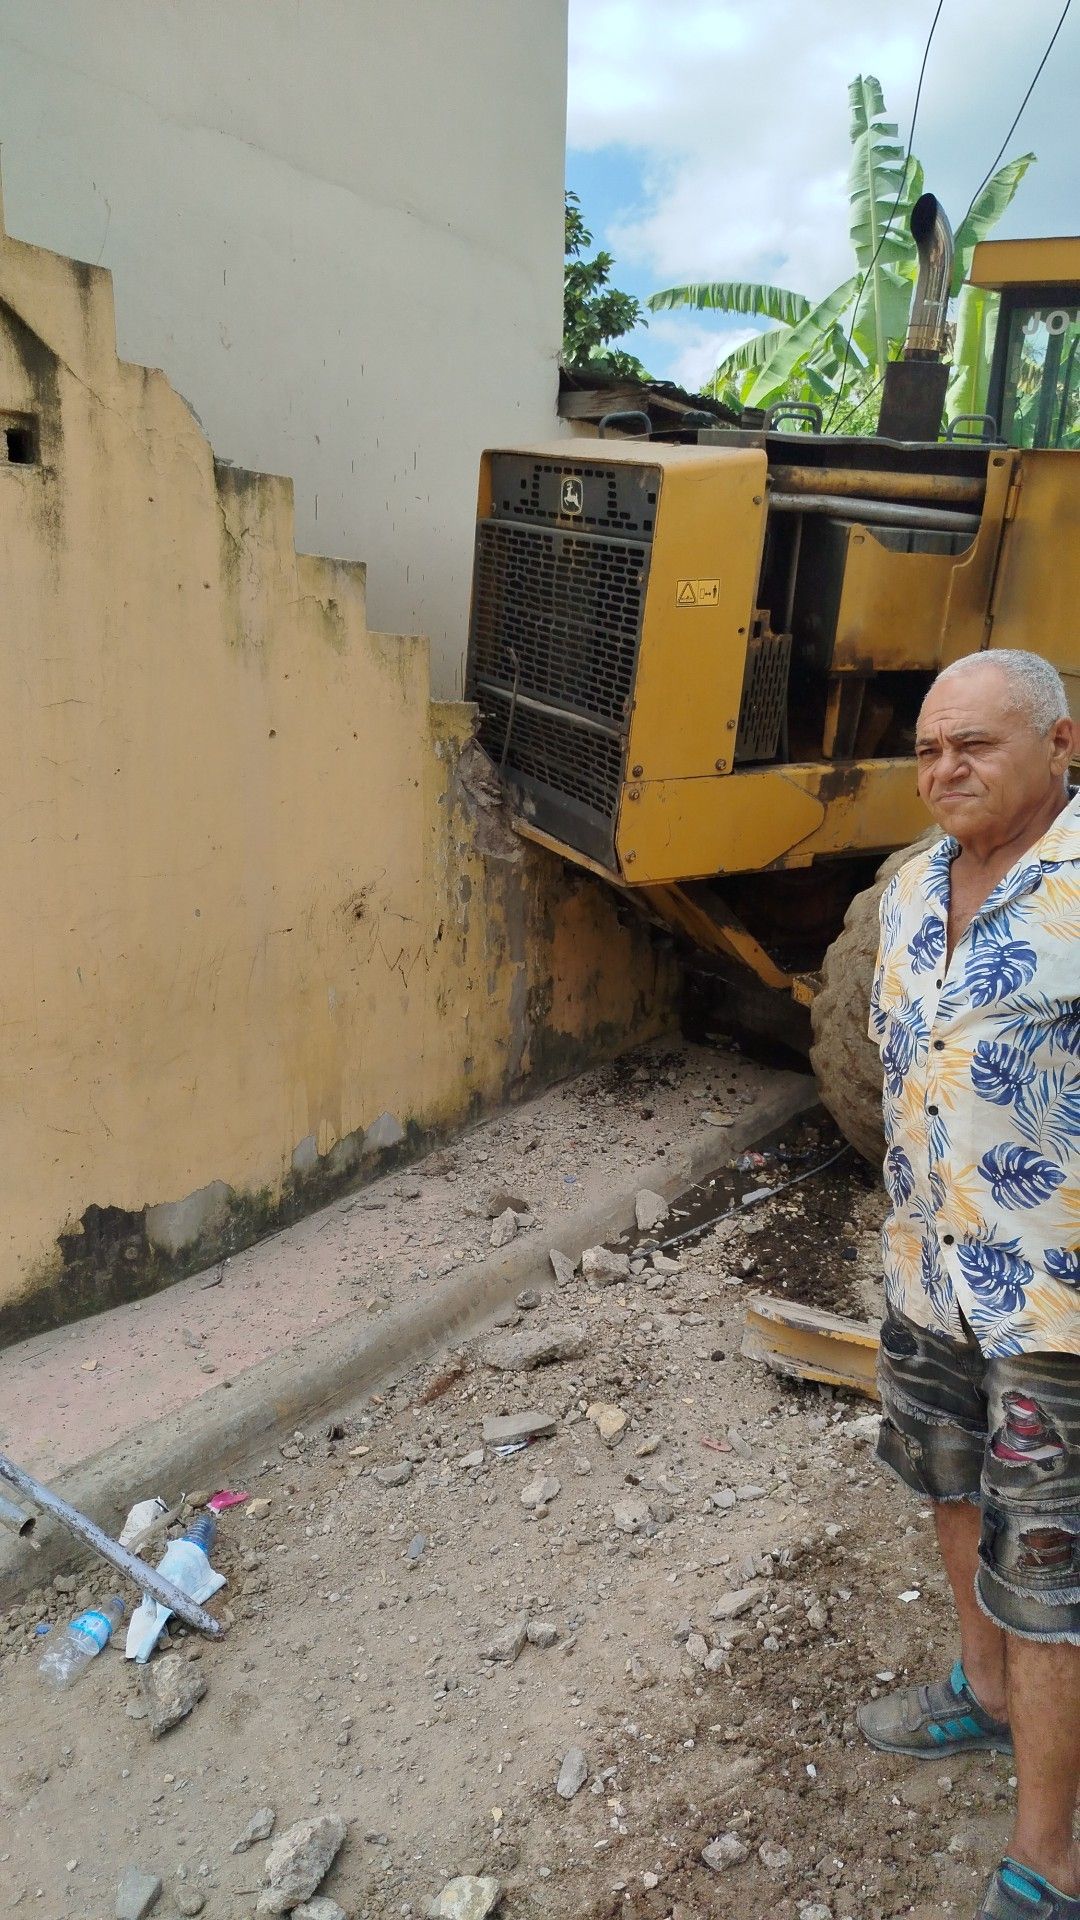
x,y
1016,1893
930,1722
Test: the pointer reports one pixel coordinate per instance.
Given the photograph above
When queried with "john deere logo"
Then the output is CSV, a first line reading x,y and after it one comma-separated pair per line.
x,y
571,495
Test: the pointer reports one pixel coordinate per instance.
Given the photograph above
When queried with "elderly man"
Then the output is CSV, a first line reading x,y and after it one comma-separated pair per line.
x,y
976,1009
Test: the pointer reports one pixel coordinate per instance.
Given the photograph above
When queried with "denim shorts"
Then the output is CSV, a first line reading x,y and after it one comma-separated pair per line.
x,y
1003,1433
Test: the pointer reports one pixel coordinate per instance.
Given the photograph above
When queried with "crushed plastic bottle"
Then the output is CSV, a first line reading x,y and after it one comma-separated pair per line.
x,y
72,1648
186,1563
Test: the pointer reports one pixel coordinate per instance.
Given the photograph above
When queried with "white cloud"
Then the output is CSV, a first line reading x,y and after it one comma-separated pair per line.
x,y
695,346
740,110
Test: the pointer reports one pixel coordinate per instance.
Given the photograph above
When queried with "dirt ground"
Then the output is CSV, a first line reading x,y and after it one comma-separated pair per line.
x,y
357,1677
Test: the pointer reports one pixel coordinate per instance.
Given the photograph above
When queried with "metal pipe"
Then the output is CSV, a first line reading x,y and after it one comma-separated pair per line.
x,y
885,513
934,244
147,1579
19,1522
582,720
935,489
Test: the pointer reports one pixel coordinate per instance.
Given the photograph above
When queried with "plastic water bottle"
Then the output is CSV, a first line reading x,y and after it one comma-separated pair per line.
x,y
186,1563
72,1648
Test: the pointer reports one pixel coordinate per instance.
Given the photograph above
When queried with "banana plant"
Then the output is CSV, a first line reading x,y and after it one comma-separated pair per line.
x,y
836,349
976,309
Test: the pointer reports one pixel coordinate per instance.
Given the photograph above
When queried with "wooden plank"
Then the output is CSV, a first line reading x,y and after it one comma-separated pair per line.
x,y
806,1343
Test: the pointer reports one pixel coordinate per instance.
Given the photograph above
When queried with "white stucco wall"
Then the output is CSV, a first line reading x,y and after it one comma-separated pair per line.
x,y
337,226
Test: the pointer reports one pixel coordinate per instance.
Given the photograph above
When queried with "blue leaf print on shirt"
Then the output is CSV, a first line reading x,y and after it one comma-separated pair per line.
x,y
997,1273
1018,1177
1063,1263
899,1177
998,967
1000,1073
938,879
1038,1021
936,1283
997,1336
1048,1111
907,1038
1066,1031
927,946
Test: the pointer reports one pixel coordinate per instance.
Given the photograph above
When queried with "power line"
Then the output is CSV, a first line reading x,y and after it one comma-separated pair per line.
x,y
892,215
1016,122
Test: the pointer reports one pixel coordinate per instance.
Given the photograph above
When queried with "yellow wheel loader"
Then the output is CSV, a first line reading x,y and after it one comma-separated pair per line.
x,y
698,666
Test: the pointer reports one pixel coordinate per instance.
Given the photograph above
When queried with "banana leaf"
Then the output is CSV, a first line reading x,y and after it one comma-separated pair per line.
x,y
734,296
985,212
799,343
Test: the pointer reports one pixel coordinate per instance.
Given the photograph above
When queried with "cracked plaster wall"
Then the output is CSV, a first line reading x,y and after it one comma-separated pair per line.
x,y
264,926
336,226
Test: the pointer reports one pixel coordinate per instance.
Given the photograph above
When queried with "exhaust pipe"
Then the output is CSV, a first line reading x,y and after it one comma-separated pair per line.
x,y
933,239
913,400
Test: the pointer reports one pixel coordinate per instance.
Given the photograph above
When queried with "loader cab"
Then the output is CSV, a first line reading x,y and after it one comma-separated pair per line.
x,y
1034,390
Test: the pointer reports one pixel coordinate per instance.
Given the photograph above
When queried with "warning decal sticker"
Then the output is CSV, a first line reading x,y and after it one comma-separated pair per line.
x,y
697,593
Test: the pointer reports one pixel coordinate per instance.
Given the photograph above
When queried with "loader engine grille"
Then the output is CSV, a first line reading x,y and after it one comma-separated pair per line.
x,y
556,623
764,694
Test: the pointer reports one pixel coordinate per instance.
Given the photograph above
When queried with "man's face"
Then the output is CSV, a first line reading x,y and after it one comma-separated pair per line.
x,y
983,769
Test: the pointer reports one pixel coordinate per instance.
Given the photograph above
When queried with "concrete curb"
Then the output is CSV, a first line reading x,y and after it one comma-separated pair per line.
x,y
198,1445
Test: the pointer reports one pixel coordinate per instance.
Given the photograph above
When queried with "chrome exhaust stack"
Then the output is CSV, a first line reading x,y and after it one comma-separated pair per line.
x,y
913,401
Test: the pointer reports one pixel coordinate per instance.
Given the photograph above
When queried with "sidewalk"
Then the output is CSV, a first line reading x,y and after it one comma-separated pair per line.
x,y
236,1350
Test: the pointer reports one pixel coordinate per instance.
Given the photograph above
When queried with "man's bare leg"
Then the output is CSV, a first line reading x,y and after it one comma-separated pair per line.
x,y
1044,1714
982,1644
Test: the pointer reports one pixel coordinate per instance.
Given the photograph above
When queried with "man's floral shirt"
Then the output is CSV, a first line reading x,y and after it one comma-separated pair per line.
x,y
982,1098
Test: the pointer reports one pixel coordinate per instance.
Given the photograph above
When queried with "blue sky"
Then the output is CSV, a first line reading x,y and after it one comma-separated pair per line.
x,y
707,139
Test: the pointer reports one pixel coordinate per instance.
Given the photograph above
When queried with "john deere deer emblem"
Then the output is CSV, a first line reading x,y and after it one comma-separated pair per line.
x,y
571,494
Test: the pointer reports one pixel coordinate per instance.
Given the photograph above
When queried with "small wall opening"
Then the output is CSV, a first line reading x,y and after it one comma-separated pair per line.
x,y
19,442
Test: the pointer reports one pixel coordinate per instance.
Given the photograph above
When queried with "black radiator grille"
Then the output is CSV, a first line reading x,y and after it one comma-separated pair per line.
x,y
570,607
552,658
549,750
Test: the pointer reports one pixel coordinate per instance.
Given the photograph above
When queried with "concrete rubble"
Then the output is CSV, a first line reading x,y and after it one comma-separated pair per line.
x,y
171,1688
298,1863
590,1634
469,1897
572,1774
531,1348
137,1894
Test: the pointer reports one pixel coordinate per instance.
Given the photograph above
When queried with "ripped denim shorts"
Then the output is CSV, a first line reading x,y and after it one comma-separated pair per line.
x,y
1003,1433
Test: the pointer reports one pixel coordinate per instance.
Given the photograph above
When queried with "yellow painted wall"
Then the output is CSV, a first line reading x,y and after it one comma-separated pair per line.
x,y
251,898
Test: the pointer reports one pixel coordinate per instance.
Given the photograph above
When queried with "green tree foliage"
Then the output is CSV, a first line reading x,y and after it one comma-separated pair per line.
x,y
806,354
594,312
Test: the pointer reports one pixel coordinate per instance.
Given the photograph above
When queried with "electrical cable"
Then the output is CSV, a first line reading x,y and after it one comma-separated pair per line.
x,y
755,1199
892,216
1016,122
862,401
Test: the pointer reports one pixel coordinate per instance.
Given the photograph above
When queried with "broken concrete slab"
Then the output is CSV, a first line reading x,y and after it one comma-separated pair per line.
x,y
469,1897
509,1641
299,1861
259,1827
137,1894
171,1687
564,1269
535,1347
610,1422
650,1210
507,1429
504,1228
603,1266
572,1774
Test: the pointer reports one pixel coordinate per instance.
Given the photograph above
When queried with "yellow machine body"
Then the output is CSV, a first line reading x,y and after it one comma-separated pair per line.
x,y
698,662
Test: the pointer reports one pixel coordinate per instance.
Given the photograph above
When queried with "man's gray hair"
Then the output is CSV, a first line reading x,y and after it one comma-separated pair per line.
x,y
1037,688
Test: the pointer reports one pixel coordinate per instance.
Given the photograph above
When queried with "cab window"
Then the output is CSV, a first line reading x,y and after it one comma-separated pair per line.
x,y
1041,386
